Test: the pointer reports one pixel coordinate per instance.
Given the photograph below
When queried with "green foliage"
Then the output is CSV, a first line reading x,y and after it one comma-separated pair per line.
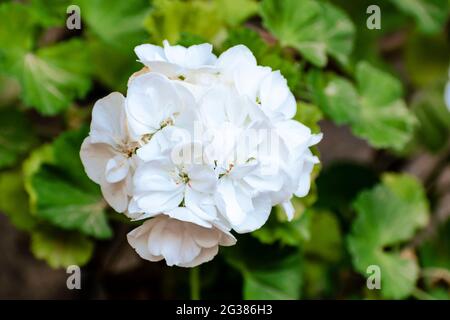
x,y
120,25
374,109
14,200
388,215
61,249
434,118
273,273
430,15
315,29
427,59
168,19
16,137
50,77
326,239
291,233
64,195
336,68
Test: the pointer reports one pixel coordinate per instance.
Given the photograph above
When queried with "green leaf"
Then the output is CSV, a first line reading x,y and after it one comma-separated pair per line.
x,y
16,136
339,33
16,31
434,252
277,283
385,120
434,118
336,96
206,19
326,239
291,233
61,249
62,193
54,76
388,215
269,272
311,27
14,200
309,115
233,12
427,59
50,77
50,13
120,25
37,158
430,15
111,66
375,110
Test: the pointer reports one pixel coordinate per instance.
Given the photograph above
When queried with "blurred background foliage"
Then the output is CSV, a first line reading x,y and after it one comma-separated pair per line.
x,y
380,197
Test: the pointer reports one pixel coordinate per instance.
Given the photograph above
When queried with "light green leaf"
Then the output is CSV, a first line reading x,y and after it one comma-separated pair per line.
x,y
14,200
206,19
388,215
375,109
54,76
336,96
120,25
311,27
50,13
16,136
50,77
62,193
339,33
61,249
430,15
299,24
16,31
385,120
309,115
37,158
326,239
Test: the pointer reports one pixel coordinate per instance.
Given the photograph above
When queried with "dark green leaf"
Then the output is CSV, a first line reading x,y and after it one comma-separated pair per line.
x,y
389,215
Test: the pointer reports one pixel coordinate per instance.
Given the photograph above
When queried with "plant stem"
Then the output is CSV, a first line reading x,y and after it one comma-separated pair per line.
x,y
194,281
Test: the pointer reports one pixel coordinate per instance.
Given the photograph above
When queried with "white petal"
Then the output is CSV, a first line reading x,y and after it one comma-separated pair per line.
x,y
109,120
117,169
116,195
94,157
202,178
256,218
288,209
276,98
149,52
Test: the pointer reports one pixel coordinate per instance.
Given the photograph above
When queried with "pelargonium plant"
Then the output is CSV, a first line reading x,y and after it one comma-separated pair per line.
x,y
201,145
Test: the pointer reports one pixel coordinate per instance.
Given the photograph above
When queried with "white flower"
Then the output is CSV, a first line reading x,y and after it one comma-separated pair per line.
x,y
154,102
201,145
107,153
180,243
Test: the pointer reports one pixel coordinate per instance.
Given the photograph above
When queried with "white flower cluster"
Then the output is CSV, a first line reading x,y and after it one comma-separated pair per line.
x,y
201,145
